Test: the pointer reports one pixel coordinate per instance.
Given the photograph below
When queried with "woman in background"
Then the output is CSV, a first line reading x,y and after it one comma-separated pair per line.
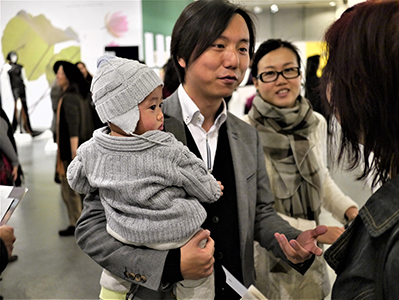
x,y
86,74
74,127
361,81
294,139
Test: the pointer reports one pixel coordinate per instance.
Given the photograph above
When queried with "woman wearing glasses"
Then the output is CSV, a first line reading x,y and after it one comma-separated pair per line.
x,y
294,139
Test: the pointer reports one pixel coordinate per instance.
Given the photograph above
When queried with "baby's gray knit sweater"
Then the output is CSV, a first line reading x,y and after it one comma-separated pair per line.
x,y
149,185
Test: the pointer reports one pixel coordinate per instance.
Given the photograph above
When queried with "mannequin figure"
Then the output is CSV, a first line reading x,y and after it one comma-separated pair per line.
x,y
17,81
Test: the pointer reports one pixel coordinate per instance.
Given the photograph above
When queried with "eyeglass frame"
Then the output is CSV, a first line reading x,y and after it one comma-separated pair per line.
x,y
278,74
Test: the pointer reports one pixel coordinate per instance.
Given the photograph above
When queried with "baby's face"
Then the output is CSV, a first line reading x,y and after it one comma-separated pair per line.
x,y
151,116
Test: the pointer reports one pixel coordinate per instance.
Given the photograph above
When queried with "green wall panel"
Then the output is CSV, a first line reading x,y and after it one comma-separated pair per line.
x,y
159,16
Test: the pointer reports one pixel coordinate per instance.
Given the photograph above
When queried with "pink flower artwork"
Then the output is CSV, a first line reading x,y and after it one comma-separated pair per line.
x,y
116,24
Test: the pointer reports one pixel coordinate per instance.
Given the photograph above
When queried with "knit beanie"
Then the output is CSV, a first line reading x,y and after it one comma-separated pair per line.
x,y
118,87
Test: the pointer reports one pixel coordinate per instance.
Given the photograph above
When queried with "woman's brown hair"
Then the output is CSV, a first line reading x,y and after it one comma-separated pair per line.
x,y
362,77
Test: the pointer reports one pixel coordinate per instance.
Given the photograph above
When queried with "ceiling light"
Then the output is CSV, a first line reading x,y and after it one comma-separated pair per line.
x,y
258,9
332,3
274,8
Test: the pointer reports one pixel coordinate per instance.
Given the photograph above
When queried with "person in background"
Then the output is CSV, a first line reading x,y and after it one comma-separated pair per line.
x,y
360,80
312,82
18,80
86,74
74,126
88,77
160,209
10,168
312,88
294,139
170,79
212,58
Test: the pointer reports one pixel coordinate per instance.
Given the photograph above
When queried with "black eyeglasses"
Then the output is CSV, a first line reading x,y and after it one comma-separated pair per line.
x,y
270,76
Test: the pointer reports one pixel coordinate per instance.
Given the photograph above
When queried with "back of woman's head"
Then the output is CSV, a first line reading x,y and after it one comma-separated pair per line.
x,y
73,75
269,46
362,76
199,25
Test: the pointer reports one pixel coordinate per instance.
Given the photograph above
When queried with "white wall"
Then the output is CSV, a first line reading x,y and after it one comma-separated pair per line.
x,y
294,24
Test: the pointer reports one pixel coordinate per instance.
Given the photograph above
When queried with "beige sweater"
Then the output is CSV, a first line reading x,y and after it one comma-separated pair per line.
x,y
335,201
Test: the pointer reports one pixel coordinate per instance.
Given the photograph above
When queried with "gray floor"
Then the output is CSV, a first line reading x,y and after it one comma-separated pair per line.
x,y
49,266
53,267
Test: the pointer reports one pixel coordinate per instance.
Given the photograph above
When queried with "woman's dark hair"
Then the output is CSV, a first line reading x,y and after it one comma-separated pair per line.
x,y
74,76
361,77
269,46
89,77
199,25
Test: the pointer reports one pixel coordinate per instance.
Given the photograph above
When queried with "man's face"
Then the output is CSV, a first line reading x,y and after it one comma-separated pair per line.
x,y
221,68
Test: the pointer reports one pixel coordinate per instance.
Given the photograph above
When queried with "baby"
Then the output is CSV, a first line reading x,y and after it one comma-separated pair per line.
x,y
149,183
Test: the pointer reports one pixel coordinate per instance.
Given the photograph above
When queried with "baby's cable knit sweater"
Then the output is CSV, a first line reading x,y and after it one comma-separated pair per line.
x,y
150,185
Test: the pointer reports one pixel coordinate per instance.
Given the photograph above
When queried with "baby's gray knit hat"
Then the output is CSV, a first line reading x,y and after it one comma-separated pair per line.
x,y
118,87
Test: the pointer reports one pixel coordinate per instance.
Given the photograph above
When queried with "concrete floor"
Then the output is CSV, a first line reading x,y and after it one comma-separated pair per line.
x,y
49,266
53,267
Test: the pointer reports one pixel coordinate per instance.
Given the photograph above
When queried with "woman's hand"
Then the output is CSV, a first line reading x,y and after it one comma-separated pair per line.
x,y
332,234
351,213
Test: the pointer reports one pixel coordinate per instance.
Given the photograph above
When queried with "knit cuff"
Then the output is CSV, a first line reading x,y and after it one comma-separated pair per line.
x,y
171,272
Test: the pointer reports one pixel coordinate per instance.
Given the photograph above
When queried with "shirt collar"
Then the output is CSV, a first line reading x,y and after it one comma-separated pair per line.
x,y
191,112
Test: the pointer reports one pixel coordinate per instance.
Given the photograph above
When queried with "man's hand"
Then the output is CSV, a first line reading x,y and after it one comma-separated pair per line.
x,y
301,249
197,262
8,237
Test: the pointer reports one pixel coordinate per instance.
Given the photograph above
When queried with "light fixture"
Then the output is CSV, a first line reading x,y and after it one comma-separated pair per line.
x,y
258,9
332,3
273,8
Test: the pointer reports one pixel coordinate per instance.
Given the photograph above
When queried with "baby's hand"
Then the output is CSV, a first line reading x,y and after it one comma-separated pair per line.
x,y
221,188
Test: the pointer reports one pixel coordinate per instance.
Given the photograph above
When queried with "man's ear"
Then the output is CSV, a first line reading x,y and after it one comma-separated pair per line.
x,y
182,63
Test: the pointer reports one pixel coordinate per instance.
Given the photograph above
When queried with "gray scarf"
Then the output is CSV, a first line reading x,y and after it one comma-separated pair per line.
x,y
284,134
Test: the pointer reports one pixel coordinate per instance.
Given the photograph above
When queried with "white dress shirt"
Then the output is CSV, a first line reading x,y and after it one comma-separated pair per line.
x,y
206,141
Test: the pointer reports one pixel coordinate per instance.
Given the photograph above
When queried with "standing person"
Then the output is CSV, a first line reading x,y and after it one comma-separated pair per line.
x,y
89,78
17,79
74,126
170,78
361,80
312,82
294,139
86,74
312,88
10,168
212,58
156,203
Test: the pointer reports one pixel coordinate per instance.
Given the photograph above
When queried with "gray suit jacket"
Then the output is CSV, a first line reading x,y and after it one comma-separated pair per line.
x,y
257,217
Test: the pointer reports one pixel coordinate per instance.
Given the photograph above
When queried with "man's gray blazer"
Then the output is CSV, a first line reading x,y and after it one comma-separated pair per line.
x,y
257,218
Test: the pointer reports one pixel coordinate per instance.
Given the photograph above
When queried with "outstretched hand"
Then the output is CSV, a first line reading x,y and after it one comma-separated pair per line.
x,y
305,245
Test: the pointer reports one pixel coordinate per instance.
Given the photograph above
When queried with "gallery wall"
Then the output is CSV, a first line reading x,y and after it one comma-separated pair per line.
x,y
45,31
